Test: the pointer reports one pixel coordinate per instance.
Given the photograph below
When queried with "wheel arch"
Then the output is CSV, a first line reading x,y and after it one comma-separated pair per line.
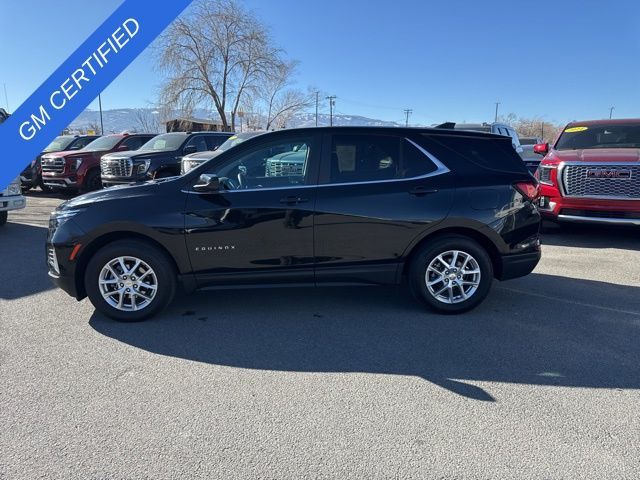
x,y
96,244
483,240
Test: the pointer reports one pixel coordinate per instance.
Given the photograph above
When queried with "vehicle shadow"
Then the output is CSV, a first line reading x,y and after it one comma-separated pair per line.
x,y
23,253
512,337
592,236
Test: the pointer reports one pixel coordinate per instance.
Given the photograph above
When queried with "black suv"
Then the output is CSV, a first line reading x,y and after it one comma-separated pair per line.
x,y
31,176
446,210
160,157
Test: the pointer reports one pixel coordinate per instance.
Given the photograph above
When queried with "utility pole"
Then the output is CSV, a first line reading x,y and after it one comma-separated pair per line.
x,y
100,106
611,112
496,117
6,98
317,93
542,131
407,112
332,103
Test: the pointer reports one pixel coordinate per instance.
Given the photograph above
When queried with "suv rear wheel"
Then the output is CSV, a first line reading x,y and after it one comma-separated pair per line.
x,y
452,274
130,280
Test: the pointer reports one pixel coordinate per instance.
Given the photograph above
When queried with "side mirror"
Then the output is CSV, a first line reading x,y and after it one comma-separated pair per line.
x,y
189,149
541,148
207,183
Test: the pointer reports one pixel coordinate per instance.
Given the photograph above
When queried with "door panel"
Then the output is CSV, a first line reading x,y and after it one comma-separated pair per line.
x,y
362,229
259,228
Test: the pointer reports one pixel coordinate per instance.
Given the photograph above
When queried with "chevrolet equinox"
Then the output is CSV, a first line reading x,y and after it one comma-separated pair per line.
x,y
447,211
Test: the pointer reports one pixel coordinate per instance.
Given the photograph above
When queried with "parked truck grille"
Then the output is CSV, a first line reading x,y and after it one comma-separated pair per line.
x,y
53,164
284,169
116,167
602,181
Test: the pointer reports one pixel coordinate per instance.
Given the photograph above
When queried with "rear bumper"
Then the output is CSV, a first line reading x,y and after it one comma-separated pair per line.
x,y
518,265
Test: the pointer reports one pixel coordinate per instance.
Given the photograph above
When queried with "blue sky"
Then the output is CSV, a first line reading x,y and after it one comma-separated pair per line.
x,y
559,60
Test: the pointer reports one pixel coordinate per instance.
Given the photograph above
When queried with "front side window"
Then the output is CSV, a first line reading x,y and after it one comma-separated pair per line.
x,y
199,142
166,141
367,158
599,136
82,142
275,164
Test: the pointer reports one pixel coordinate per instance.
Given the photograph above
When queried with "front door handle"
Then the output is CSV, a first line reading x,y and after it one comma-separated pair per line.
x,y
291,200
422,191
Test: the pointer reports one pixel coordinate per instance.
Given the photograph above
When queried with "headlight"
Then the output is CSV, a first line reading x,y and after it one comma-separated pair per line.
x,y
188,165
14,189
142,166
58,218
544,172
78,163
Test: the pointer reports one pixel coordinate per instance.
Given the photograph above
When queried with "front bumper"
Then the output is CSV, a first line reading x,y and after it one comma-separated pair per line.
x,y
60,182
555,207
14,202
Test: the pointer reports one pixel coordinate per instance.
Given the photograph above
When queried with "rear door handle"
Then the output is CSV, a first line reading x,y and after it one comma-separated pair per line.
x,y
291,200
422,191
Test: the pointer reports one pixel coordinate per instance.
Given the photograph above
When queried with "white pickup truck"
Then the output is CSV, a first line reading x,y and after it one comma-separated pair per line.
x,y
11,197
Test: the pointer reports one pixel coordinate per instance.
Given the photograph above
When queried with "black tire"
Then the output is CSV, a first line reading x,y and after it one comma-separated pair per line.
x,y
429,252
159,262
45,188
92,181
3,218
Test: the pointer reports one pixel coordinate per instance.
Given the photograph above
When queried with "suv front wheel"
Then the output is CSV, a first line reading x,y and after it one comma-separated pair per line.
x,y
451,275
130,280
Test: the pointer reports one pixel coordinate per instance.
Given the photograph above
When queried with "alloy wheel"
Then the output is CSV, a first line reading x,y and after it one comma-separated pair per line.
x,y
453,276
127,283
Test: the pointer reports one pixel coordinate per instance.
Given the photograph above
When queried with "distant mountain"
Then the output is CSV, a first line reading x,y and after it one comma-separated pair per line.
x,y
129,119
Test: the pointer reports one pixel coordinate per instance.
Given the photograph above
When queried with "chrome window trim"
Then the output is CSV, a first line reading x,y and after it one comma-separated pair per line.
x,y
441,169
562,179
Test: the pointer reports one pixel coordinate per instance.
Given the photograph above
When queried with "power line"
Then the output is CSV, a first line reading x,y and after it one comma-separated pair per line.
x,y
407,112
332,103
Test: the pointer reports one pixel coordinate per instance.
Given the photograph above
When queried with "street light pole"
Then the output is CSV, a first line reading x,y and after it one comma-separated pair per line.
x,y
101,123
496,117
611,112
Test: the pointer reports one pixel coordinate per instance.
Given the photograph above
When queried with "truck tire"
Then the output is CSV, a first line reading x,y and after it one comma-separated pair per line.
x,y
92,181
130,280
451,275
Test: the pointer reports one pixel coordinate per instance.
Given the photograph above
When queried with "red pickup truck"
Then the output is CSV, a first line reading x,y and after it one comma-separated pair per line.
x,y
592,173
79,170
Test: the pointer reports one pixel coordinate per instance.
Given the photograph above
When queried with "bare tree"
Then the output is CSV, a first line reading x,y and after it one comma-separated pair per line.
x,y
215,54
532,127
283,102
147,120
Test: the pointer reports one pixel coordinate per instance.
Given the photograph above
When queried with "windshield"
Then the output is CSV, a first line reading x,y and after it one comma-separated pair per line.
x,y
236,140
599,136
59,143
102,143
166,141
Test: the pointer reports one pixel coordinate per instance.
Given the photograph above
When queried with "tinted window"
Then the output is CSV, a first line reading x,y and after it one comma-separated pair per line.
x,y
492,154
214,141
275,164
599,136
199,142
133,143
363,158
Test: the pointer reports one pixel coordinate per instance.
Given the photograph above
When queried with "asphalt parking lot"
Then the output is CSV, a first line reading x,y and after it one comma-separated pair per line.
x,y
541,381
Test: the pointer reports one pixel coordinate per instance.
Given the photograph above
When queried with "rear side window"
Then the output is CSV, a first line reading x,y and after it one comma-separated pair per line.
x,y
214,141
367,158
488,153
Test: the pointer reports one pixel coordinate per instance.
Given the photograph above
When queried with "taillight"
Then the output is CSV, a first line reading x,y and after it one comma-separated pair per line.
x,y
530,190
